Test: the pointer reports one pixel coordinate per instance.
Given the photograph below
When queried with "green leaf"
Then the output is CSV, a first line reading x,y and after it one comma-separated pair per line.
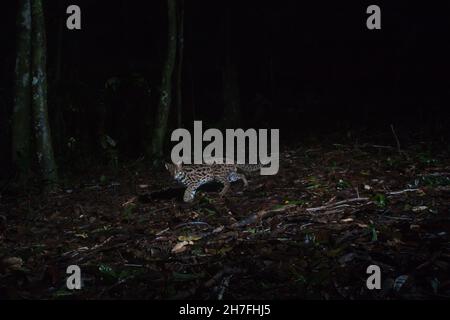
x,y
374,234
342,185
380,200
107,270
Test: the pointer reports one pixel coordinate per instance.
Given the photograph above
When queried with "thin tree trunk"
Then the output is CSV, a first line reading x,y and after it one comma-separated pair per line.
x,y
230,78
180,53
59,46
190,67
44,148
232,111
56,108
163,109
21,117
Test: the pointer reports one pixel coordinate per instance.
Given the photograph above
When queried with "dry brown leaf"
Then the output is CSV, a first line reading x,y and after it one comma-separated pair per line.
x,y
13,263
180,247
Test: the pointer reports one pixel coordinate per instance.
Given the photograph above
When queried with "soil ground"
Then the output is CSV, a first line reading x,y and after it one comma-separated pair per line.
x,y
309,232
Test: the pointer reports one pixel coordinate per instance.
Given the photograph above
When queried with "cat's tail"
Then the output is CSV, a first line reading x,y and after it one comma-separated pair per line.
x,y
246,167
250,167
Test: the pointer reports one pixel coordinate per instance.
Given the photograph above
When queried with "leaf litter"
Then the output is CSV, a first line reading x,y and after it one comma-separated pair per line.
x,y
310,232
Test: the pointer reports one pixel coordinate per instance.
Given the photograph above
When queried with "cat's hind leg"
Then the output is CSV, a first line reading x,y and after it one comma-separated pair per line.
x,y
226,186
244,179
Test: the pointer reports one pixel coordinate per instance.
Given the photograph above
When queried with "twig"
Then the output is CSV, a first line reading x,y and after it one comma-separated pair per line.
x,y
224,286
393,193
396,139
337,204
260,215
192,223
102,244
333,211
381,147
435,174
219,275
350,201
118,283
162,231
96,251
398,218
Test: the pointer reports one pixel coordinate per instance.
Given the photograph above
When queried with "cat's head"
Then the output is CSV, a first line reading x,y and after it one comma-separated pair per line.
x,y
174,169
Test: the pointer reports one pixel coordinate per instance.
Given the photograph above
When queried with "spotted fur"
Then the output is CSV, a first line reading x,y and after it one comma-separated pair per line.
x,y
195,175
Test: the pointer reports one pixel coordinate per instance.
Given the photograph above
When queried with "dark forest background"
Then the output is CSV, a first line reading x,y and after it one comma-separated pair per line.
x,y
308,68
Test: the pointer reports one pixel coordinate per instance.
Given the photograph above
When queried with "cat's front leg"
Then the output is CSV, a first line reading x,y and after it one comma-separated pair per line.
x,y
189,194
226,187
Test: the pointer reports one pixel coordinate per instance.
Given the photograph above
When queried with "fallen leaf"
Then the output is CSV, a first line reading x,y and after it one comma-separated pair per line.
x,y
13,263
347,258
81,235
189,238
362,225
131,201
218,229
180,247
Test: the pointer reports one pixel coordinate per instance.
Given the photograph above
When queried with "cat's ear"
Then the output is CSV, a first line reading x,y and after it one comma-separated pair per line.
x,y
179,164
167,165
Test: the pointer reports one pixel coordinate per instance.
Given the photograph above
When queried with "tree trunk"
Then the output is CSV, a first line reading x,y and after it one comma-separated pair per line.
x,y
162,112
21,117
230,78
56,105
232,110
59,46
44,148
180,48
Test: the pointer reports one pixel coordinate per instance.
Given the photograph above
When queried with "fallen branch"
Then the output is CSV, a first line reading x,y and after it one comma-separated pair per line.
x,y
109,288
336,205
393,193
381,147
224,286
227,271
102,244
162,231
192,223
90,253
435,174
260,215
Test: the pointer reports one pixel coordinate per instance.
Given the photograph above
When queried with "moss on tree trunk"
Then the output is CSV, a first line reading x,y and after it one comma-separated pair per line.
x,y
180,48
44,148
163,109
21,117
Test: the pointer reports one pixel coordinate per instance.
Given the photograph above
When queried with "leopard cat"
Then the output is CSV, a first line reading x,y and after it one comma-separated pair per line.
x,y
195,175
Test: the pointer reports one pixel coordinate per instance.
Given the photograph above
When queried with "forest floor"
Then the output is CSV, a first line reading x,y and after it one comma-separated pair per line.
x,y
309,232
